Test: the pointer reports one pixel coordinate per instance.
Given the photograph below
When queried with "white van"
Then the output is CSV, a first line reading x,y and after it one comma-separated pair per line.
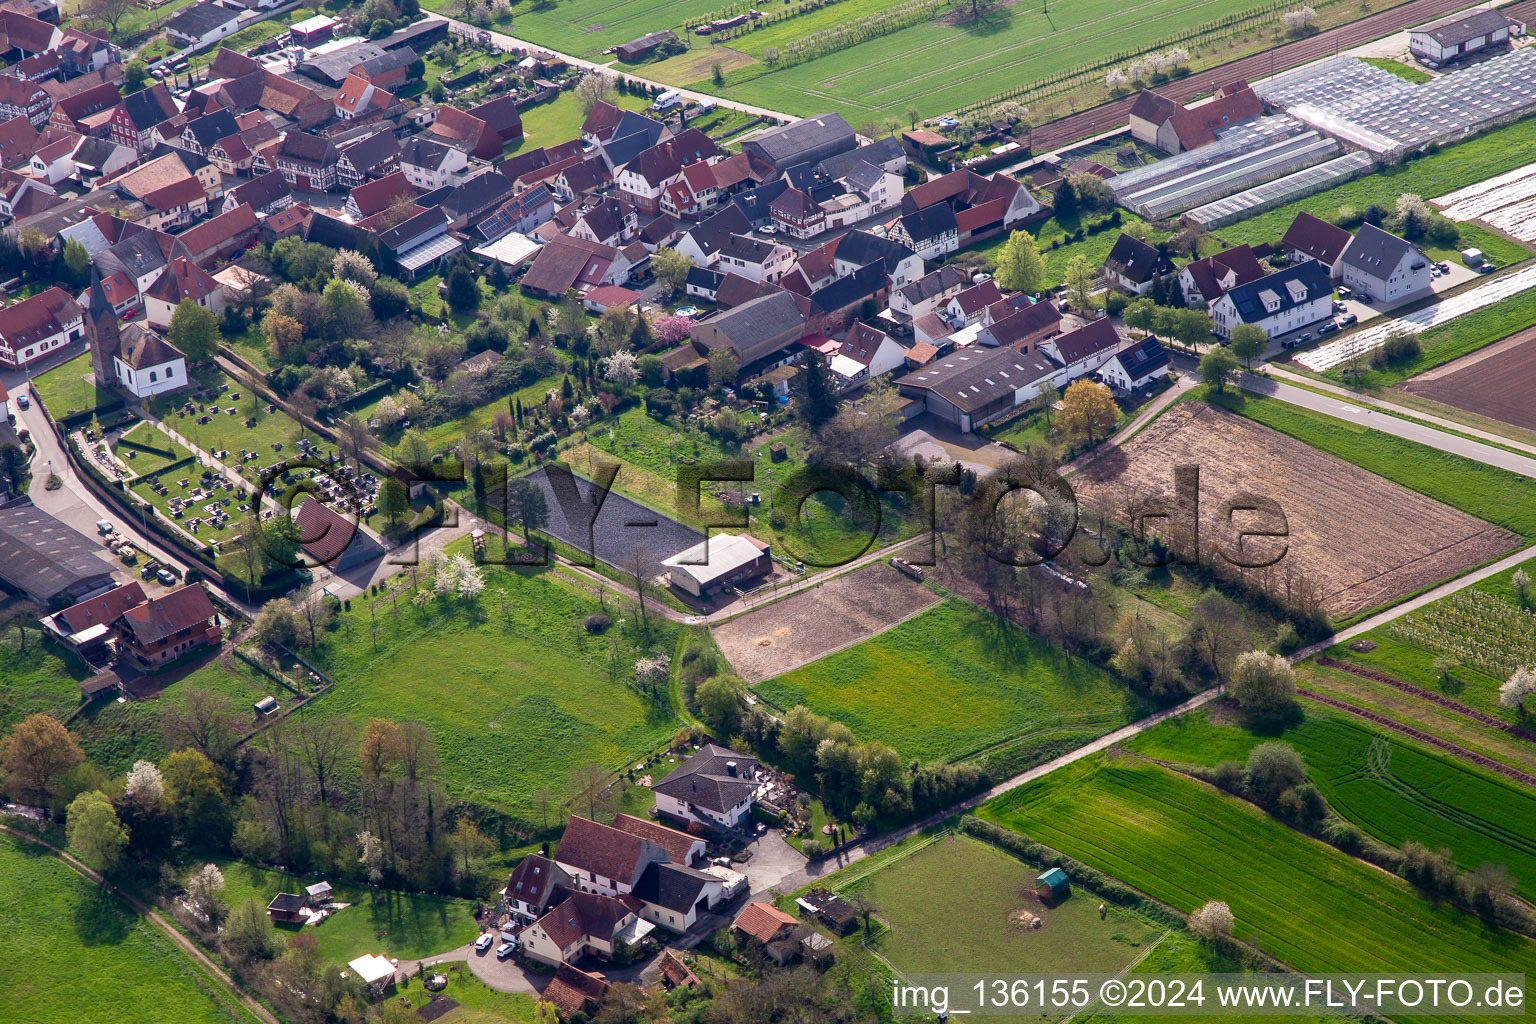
x,y
668,100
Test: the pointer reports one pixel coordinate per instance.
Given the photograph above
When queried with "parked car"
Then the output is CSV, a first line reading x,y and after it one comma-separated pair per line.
x,y
1339,306
483,943
503,951
1302,338
1344,292
1487,268
103,526
23,402
1445,268
1347,319
149,569
165,577
1327,328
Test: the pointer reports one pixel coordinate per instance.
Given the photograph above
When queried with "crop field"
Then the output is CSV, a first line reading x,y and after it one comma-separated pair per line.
x,y
813,623
1506,201
1394,790
1496,495
944,63
1306,903
70,388
1357,539
145,449
953,682
1489,382
1454,167
397,924
936,925
67,943
587,27
521,694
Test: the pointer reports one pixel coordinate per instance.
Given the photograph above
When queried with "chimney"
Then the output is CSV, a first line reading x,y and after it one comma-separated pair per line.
x,y
730,768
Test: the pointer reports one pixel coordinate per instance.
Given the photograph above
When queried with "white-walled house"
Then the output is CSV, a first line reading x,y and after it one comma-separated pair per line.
x,y
1137,366
1084,350
716,786
1384,268
1279,303
35,326
147,364
181,280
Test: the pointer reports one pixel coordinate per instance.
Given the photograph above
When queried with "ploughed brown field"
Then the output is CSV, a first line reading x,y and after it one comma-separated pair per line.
x,y
1356,541
1494,381
813,623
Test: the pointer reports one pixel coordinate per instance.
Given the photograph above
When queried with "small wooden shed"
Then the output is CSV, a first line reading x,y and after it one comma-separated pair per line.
x,y
1053,884
287,907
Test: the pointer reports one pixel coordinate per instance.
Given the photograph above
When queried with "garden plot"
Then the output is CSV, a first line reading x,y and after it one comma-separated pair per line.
x,y
1505,201
994,921
1356,540
1366,340
814,623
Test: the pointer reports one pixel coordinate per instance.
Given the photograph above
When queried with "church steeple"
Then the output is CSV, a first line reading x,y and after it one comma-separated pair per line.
x,y
101,328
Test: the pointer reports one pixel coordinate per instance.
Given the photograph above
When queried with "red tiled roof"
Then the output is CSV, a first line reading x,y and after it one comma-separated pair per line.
x,y
376,196
324,534
677,844
106,608
180,609
38,317
763,921
571,990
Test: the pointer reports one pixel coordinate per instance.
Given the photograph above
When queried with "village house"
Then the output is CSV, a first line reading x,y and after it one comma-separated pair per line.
x,y
181,281
532,884
22,98
1174,128
202,23
1450,39
1082,351
465,132
607,221
715,787
1203,281
1138,366
754,259
582,924
37,325
366,158
974,386
163,629
572,991
220,237
931,233
1278,303
1381,267
928,293
1311,238
809,140
265,193
430,165
1134,265
305,161
642,180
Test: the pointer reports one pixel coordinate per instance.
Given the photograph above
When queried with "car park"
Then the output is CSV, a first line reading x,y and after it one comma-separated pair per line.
x,y
1445,268
504,950
483,943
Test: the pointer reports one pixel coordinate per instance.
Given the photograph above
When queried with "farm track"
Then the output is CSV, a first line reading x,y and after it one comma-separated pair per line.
x,y
1407,730
1481,717
1116,114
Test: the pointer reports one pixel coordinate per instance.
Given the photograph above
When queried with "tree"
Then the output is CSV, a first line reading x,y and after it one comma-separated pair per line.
x,y
283,332
76,258
1141,315
248,934
14,464
642,568
1521,684
1216,632
913,116
195,330
109,11
619,369
463,291
723,368
94,831
351,265
1273,767
414,451
1019,266
277,624
526,504
816,398
1263,684
198,800
1212,919
1093,193
671,269
594,88
203,888
203,722
721,699
1218,367
1521,581
591,786
394,502
314,611
1247,343
1088,410
1080,276
36,755
144,784
1065,201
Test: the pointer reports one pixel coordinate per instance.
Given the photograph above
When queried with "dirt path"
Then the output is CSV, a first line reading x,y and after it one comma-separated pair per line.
x,y
1423,737
182,942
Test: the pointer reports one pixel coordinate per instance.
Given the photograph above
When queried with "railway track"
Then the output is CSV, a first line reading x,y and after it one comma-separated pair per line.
x,y
1116,114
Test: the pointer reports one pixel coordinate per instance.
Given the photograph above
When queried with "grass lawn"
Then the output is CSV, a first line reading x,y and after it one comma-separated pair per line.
x,y
521,694
1456,166
1451,340
559,120
587,27
953,682
67,941
1392,789
1496,495
478,1004
70,388
936,925
1302,901
396,924
226,430
1401,69
444,436
1059,232
145,449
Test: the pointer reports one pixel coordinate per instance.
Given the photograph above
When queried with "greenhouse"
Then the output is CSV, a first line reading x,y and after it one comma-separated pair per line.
x,y
1303,183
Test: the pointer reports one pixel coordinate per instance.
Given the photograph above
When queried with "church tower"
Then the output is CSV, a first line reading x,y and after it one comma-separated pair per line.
x,y
101,328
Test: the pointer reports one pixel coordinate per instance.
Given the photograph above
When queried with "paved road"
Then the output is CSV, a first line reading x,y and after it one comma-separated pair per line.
x,y
1114,115
1389,424
183,943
